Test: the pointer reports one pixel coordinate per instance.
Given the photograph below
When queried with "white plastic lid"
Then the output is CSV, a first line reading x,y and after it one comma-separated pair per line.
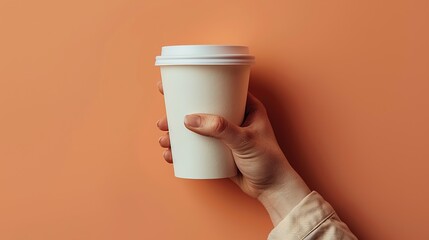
x,y
204,55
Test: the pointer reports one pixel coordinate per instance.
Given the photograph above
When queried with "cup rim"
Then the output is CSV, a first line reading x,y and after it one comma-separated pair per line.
x,y
204,55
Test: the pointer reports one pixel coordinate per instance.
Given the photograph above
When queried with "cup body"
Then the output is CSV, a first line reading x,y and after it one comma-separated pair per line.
x,y
219,89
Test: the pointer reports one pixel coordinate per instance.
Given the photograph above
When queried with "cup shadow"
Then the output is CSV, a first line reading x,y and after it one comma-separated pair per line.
x,y
281,114
283,117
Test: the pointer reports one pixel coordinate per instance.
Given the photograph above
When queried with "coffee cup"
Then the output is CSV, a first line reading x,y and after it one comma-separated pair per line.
x,y
208,79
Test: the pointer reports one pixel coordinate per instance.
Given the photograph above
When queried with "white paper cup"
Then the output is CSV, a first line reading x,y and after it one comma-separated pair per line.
x,y
210,79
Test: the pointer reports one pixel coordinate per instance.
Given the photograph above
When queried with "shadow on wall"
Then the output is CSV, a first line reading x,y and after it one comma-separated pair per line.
x,y
282,114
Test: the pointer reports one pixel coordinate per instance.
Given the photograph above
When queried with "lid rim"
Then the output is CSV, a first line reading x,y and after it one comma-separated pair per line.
x,y
204,62
204,55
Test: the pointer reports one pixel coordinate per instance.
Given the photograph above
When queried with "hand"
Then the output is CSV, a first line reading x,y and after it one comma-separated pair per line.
x,y
264,172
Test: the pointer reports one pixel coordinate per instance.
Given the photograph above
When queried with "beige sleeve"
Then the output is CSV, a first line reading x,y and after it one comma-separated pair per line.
x,y
312,218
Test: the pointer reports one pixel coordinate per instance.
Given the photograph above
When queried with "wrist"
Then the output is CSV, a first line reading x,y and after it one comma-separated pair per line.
x,y
281,198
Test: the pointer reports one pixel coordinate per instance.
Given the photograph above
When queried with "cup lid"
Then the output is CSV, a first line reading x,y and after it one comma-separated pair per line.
x,y
204,55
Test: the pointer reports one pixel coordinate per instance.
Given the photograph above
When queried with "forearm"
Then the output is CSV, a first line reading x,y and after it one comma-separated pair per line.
x,y
281,199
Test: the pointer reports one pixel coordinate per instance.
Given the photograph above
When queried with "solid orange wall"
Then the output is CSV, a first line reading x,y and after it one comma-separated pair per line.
x,y
345,83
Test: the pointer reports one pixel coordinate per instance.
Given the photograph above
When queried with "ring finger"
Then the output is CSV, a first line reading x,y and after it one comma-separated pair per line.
x,y
164,141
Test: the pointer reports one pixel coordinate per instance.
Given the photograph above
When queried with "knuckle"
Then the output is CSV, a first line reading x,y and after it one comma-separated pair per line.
x,y
220,124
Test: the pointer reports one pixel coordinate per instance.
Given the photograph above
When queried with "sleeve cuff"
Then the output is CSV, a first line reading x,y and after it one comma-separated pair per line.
x,y
304,218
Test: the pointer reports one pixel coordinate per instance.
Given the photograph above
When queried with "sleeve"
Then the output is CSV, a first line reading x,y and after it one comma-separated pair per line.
x,y
312,218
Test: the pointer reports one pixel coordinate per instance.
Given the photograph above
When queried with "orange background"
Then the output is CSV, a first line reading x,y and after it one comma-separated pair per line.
x,y
345,83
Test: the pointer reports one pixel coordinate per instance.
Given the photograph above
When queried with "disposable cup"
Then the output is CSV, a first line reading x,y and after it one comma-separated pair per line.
x,y
210,79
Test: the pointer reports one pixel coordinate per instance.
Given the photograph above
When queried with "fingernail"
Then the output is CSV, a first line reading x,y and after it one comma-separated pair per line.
x,y
157,123
193,120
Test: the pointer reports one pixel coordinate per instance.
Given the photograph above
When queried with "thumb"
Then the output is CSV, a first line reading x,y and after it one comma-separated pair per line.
x,y
218,127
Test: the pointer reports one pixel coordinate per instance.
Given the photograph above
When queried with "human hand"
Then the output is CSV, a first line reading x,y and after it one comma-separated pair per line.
x,y
264,172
